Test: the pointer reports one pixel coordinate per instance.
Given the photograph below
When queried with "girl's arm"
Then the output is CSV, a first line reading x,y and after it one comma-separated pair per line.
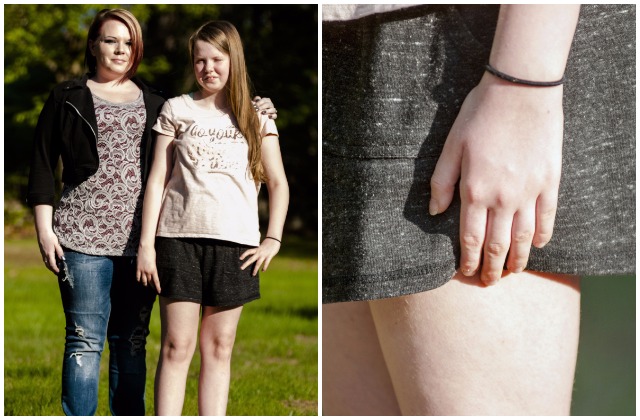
x,y
506,144
278,189
147,272
49,246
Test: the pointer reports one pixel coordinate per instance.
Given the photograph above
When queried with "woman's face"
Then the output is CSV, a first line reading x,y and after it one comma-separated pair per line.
x,y
112,49
211,67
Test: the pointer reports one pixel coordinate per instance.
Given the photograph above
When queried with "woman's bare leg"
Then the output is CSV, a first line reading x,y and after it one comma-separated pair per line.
x,y
465,349
355,380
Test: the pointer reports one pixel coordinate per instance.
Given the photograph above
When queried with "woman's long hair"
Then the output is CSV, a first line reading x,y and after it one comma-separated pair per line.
x,y
224,36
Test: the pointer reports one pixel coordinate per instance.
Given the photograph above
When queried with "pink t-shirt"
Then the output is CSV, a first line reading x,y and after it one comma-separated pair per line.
x,y
211,192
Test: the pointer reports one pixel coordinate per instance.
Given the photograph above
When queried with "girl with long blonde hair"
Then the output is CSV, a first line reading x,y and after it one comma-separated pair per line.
x,y
200,245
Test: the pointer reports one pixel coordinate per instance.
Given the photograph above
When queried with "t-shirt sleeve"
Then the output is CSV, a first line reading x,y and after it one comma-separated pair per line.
x,y
267,126
166,123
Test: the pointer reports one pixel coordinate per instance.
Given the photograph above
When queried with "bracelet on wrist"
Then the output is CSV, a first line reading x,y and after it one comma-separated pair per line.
x,y
516,80
271,237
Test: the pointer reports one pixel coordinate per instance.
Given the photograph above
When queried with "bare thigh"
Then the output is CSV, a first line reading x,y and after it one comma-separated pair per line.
x,y
464,349
355,380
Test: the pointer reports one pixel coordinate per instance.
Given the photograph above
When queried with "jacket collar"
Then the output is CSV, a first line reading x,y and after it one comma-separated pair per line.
x,y
82,84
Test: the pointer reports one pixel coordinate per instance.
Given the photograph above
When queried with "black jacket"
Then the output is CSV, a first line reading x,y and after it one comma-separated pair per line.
x,y
67,127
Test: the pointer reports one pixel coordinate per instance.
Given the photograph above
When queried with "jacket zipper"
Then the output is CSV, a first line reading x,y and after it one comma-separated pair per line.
x,y
83,119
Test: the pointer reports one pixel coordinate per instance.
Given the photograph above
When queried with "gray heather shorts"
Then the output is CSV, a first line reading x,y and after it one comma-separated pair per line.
x,y
205,271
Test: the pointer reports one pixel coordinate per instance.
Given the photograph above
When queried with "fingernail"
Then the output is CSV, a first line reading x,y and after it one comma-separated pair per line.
x,y
62,258
517,270
467,272
433,208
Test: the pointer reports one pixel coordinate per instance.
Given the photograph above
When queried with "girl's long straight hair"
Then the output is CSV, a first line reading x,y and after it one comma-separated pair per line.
x,y
224,36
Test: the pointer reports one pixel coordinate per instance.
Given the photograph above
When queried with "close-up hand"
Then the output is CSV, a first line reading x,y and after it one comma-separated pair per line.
x,y
147,271
505,146
261,255
264,106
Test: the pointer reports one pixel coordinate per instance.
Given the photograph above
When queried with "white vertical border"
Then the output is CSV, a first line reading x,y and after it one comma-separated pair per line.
x,y
319,209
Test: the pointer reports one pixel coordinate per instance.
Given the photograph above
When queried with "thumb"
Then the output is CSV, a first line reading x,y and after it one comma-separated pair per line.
x,y
444,178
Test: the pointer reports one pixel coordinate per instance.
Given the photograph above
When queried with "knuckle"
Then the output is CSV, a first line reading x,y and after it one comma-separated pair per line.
x,y
471,193
495,249
507,198
502,199
548,213
523,236
519,260
471,241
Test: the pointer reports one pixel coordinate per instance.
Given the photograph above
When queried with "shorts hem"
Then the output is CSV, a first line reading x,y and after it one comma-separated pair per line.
x,y
388,284
238,302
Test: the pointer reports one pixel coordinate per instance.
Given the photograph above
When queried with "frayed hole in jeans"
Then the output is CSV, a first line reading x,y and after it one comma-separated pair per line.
x,y
139,334
78,357
68,277
79,331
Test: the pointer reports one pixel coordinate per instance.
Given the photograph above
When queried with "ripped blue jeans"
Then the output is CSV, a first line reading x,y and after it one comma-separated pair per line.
x,y
101,298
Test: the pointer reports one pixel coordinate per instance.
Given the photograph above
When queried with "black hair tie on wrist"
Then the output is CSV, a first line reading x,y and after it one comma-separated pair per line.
x,y
512,79
271,237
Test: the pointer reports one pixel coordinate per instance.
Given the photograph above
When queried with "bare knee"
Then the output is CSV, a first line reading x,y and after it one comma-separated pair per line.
x,y
178,351
219,347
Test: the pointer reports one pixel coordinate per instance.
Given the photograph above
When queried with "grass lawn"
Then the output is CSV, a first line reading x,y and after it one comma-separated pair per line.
x,y
605,383
274,368
275,359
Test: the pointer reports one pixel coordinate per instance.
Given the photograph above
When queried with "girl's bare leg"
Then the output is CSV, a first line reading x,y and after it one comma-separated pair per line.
x,y
179,336
465,349
217,336
355,380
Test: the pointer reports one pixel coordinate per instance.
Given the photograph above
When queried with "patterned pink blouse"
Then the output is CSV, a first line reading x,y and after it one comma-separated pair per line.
x,y
103,215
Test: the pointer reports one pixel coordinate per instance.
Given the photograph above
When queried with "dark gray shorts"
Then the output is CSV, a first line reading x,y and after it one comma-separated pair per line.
x,y
206,271
392,85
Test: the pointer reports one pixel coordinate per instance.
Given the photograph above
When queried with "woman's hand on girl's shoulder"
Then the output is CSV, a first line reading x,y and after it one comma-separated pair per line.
x,y
261,255
264,106
147,271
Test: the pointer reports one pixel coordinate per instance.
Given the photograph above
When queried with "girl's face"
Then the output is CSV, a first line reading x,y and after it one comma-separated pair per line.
x,y
112,49
211,67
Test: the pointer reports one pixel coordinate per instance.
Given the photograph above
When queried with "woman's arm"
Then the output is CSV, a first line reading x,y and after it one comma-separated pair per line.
x,y
278,189
506,144
147,272
47,240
